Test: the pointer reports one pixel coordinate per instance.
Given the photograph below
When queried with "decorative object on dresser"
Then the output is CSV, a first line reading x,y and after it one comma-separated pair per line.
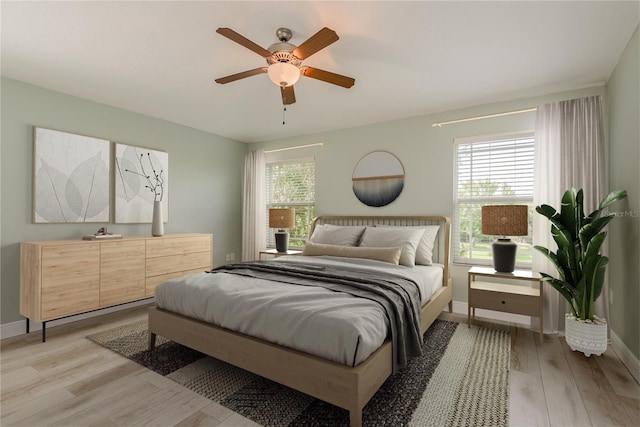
x,y
505,220
282,219
102,234
141,179
580,266
67,277
157,223
71,177
508,298
378,179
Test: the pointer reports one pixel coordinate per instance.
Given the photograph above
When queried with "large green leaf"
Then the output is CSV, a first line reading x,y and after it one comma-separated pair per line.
x,y
612,197
592,264
590,230
553,258
594,245
561,287
564,260
549,212
568,212
594,272
579,210
568,256
562,236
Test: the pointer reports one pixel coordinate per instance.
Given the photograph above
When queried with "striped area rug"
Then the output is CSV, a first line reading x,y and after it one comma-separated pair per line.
x,y
461,379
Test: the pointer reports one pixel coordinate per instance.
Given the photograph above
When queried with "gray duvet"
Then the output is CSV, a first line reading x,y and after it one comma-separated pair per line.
x,y
338,309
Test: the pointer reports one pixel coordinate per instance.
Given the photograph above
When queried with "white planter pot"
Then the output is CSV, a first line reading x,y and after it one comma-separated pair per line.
x,y
589,337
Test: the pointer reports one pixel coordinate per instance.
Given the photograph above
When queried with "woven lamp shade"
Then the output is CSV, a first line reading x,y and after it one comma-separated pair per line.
x,y
505,220
282,218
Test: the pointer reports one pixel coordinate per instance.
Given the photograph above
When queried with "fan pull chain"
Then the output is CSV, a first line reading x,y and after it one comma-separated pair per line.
x,y
284,110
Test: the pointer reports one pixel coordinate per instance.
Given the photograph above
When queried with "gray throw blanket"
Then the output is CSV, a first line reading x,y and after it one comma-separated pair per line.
x,y
399,296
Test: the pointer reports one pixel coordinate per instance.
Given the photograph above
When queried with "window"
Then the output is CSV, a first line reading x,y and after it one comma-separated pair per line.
x,y
292,184
490,170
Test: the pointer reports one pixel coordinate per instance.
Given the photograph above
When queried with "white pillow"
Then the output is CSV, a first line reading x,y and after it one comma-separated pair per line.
x,y
407,237
329,234
391,255
424,253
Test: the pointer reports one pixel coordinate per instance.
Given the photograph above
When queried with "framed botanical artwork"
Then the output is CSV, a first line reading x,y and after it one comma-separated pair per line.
x,y
141,177
71,177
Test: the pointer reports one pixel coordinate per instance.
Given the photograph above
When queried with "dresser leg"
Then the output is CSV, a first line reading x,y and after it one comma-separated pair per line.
x,y
44,331
27,325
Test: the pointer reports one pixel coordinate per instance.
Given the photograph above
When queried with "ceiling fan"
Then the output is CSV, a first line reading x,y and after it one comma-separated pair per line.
x,y
285,61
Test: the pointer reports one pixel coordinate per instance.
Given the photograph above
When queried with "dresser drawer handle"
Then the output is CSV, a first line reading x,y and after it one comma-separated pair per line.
x,y
504,302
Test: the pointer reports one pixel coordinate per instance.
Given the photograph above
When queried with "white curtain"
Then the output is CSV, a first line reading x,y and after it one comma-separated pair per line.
x,y
570,152
253,206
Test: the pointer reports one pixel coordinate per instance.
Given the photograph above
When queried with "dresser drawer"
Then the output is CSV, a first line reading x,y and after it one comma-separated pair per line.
x,y
177,263
177,246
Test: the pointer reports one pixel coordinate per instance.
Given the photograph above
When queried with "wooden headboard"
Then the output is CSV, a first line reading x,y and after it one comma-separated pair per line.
x,y
441,248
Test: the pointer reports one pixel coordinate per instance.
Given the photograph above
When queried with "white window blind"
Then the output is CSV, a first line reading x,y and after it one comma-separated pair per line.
x,y
292,184
490,170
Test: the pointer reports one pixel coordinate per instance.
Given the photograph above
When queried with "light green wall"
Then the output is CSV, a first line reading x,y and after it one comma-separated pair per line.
x,y
623,94
426,153
205,190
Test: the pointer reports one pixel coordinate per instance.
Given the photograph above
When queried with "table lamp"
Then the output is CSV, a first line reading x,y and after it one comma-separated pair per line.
x,y
505,220
282,218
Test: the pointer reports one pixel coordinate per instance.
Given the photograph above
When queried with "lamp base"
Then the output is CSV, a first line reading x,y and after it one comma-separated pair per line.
x,y
282,241
504,255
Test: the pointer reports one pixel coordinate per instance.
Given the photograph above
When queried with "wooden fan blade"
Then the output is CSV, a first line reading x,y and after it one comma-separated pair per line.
x,y
238,76
232,35
316,42
329,77
288,95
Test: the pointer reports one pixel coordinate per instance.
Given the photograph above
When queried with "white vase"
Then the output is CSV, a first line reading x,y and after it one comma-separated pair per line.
x,y
589,337
157,223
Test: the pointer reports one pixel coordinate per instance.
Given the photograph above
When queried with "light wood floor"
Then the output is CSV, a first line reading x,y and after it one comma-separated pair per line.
x,y
70,381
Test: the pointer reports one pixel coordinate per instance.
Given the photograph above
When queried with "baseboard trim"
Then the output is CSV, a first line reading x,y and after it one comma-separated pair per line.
x,y
14,329
628,359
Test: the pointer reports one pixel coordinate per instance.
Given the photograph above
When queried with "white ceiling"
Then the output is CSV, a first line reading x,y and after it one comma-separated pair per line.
x,y
408,58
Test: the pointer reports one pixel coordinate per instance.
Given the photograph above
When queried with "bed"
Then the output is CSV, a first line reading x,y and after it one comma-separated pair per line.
x,y
348,387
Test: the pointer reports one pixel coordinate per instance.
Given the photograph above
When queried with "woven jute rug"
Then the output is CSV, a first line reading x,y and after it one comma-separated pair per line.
x,y
461,379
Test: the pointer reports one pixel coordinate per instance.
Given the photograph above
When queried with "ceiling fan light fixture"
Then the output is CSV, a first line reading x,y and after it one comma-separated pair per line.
x,y
283,74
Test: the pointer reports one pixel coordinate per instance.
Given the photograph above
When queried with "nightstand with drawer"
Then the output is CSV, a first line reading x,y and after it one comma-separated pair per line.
x,y
486,293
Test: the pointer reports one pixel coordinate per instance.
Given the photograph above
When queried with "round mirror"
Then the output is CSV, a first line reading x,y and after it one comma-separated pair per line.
x,y
378,179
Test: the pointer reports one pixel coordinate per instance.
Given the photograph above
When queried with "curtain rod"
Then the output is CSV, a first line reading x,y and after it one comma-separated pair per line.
x,y
486,116
295,147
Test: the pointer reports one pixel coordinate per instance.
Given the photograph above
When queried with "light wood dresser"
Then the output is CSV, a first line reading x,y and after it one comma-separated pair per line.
x,y
67,277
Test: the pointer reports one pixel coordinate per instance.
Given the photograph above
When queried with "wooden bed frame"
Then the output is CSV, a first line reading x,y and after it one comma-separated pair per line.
x,y
346,387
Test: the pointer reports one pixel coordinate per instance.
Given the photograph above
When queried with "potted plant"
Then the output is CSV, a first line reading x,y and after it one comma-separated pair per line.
x,y
581,267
